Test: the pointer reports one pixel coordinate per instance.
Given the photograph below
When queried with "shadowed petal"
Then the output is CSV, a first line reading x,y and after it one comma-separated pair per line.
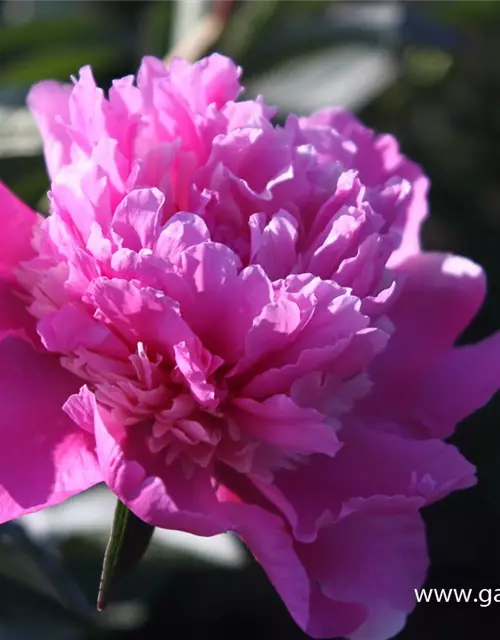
x,y
375,557
273,547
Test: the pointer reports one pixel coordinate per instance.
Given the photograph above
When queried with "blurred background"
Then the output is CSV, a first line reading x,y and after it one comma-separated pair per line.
x,y
428,72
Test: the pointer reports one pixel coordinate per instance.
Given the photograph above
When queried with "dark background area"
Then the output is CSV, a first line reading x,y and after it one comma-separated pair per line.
x,y
441,99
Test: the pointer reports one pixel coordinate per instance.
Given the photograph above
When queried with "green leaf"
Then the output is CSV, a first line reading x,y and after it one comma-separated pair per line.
x,y
129,539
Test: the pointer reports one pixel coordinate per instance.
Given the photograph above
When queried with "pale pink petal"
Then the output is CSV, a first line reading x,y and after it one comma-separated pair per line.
x,y
183,230
211,272
49,104
72,327
141,314
195,372
273,247
45,457
138,218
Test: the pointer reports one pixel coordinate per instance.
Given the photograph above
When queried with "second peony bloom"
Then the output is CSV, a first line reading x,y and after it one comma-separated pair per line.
x,y
233,325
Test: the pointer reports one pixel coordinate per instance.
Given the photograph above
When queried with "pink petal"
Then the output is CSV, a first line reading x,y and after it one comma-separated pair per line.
x,y
182,230
211,271
280,422
378,159
88,108
217,75
274,246
73,327
45,458
194,372
141,314
17,222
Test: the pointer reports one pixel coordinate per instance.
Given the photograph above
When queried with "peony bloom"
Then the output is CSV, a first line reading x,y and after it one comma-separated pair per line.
x,y
234,327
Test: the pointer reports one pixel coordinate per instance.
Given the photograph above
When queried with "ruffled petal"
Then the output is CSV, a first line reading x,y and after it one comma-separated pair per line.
x,y
163,495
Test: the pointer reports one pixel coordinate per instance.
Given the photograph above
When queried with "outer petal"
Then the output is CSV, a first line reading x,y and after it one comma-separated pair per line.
x,y
272,546
45,458
459,384
441,294
421,383
17,222
369,463
49,104
14,319
373,557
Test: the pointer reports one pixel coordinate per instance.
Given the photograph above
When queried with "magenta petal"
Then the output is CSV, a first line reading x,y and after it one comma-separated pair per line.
x,y
137,219
16,221
45,458
272,547
14,318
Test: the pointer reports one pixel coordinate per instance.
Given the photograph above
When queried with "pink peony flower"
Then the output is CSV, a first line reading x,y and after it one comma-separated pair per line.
x,y
233,325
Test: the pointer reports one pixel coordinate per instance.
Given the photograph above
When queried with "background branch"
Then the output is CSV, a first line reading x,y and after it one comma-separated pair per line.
x,y
191,43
